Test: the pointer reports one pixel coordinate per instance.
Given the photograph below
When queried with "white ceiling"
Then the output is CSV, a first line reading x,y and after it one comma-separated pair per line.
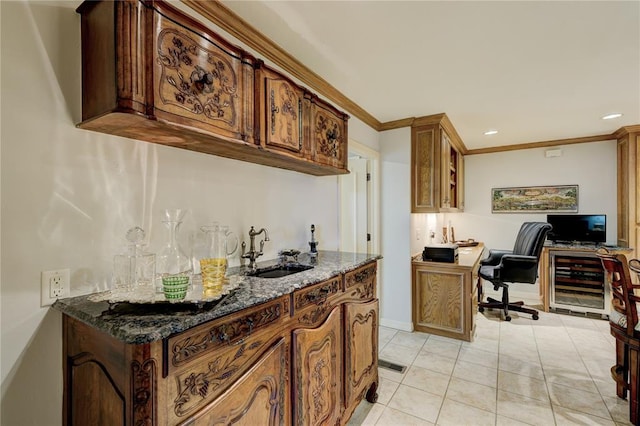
x,y
533,70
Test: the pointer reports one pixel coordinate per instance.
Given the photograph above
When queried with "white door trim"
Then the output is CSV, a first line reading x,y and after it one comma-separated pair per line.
x,y
373,156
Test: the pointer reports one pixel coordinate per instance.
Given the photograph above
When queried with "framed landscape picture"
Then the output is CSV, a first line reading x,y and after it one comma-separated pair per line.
x,y
532,199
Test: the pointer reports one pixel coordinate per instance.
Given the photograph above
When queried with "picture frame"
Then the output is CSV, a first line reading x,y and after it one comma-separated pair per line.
x,y
535,199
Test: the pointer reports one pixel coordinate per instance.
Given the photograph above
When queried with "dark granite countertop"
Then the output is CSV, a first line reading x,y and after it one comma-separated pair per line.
x,y
584,246
144,323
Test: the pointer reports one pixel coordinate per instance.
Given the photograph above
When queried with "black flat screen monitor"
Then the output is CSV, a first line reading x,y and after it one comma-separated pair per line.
x,y
584,228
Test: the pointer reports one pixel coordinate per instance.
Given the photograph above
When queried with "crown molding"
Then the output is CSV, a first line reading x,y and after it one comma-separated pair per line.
x,y
397,124
230,22
543,144
626,130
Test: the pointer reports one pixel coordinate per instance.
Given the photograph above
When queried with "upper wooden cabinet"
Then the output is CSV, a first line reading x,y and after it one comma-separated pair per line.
x,y
152,73
629,188
328,134
201,81
437,166
283,108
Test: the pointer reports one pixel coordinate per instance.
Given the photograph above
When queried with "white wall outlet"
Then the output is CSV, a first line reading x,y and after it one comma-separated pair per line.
x,y
54,285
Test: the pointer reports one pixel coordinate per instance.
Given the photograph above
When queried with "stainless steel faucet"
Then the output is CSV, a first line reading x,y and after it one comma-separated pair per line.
x,y
252,254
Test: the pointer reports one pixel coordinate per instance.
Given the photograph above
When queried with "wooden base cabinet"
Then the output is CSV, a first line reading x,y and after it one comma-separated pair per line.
x,y
304,358
445,295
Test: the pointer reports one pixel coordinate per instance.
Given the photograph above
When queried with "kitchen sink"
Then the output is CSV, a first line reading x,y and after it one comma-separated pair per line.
x,y
278,271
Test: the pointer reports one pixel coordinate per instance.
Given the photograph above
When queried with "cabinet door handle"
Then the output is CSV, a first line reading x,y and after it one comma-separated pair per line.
x,y
274,111
300,124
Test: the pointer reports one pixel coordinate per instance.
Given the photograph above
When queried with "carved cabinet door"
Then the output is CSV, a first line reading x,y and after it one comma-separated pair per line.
x,y
329,137
259,397
317,372
361,351
284,111
199,84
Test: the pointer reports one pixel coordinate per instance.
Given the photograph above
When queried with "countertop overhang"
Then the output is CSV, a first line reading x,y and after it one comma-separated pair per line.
x,y
145,323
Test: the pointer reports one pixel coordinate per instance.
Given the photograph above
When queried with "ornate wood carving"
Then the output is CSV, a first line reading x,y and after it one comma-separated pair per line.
x,y
143,386
195,345
361,349
328,135
196,79
317,295
361,275
318,372
364,291
284,110
259,397
200,385
315,314
284,381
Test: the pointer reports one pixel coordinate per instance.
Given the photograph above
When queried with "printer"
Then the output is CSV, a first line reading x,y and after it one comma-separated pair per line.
x,y
441,253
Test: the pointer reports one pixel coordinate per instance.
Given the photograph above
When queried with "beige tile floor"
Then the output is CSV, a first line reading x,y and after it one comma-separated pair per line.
x,y
554,371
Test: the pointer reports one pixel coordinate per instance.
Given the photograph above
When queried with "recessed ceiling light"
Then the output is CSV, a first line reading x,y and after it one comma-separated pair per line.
x,y
490,132
611,116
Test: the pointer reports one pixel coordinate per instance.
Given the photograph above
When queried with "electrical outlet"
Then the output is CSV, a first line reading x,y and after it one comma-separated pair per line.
x,y
54,285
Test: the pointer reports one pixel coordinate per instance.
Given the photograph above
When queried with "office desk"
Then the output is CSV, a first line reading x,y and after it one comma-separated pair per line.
x,y
444,295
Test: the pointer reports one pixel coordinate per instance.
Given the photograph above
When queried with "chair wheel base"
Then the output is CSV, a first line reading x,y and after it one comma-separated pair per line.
x,y
480,309
535,317
507,318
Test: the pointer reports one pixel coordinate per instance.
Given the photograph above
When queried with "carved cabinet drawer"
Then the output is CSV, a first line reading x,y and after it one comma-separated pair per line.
x,y
258,397
313,303
204,361
200,80
364,275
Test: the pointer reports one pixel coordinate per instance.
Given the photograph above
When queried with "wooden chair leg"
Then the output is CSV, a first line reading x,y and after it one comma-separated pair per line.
x,y
619,372
633,384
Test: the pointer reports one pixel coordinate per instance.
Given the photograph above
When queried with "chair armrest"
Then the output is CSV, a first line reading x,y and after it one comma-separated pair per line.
x,y
518,268
494,258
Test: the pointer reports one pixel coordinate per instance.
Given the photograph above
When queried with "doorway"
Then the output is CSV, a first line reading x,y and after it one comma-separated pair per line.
x,y
359,205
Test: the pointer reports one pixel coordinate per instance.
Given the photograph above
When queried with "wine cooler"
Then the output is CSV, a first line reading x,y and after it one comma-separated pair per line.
x,y
578,283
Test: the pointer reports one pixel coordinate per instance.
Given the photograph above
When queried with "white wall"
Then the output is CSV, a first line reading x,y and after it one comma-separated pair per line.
x,y
69,195
395,272
592,166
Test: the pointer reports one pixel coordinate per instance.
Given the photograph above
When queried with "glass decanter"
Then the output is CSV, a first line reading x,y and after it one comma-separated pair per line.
x,y
173,265
134,271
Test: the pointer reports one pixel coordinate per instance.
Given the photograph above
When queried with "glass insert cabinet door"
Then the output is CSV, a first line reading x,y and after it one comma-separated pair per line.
x,y
578,283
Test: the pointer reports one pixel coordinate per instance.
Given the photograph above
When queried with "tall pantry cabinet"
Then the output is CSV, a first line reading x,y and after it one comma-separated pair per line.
x,y
437,166
629,188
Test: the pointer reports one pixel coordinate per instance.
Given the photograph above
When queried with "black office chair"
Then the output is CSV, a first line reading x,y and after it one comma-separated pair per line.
x,y
519,265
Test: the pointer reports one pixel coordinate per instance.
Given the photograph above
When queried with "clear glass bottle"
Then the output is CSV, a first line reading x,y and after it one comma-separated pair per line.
x,y
134,271
173,265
